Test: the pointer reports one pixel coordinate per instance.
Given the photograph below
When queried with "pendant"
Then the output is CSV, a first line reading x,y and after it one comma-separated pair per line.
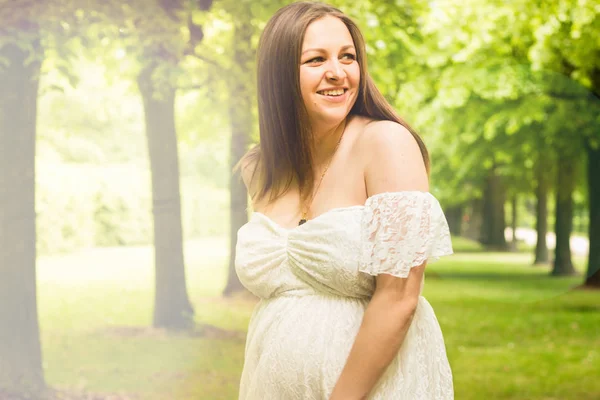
x,y
301,221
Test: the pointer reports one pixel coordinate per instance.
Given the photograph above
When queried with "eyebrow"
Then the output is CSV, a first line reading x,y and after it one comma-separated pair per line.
x,y
346,47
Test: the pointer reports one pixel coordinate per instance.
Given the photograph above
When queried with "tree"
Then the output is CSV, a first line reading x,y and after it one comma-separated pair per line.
x,y
241,119
494,221
234,74
566,36
21,55
541,212
563,265
161,39
592,278
20,353
172,307
507,58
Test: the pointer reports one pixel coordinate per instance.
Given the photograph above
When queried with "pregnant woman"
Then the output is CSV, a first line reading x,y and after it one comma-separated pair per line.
x,y
342,228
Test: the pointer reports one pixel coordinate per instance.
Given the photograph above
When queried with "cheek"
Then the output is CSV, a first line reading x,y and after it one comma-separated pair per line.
x,y
309,82
354,74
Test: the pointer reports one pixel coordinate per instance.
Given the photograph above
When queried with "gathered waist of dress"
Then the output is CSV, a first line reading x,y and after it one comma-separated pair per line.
x,y
305,292
291,304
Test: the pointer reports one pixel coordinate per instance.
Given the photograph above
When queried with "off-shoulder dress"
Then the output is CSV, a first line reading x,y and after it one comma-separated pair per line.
x,y
315,281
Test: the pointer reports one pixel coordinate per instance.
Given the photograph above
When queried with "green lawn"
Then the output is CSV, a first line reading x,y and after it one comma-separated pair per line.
x,y
512,332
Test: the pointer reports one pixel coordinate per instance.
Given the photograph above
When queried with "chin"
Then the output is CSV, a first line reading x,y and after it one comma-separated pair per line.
x,y
329,120
330,117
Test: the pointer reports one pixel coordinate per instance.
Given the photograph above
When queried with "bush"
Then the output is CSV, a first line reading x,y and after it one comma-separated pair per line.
x,y
81,205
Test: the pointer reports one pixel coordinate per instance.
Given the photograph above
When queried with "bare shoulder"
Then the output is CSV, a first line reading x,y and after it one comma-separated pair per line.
x,y
385,139
379,135
394,160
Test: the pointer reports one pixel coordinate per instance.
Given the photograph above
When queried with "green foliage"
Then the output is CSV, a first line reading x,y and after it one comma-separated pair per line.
x,y
493,102
82,206
567,34
93,181
486,84
85,124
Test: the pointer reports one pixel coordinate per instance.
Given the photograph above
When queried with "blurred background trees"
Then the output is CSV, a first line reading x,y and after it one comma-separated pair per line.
x,y
120,124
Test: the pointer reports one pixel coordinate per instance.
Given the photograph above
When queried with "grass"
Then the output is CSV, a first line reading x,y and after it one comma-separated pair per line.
x,y
511,331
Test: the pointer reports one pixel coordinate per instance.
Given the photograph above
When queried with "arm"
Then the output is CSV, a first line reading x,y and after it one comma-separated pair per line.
x,y
395,164
383,329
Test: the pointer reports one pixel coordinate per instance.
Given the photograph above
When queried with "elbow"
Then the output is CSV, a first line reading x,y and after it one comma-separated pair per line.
x,y
409,308
402,310
405,309
404,304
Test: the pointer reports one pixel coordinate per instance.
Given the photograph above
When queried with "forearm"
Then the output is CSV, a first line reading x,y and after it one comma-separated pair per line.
x,y
383,329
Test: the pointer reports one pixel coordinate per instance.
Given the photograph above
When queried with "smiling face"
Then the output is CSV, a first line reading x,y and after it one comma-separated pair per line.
x,y
329,72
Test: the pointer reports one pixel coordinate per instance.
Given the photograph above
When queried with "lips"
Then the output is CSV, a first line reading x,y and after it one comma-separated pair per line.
x,y
334,99
323,92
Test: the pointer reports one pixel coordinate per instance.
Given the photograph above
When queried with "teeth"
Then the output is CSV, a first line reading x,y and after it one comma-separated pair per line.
x,y
337,92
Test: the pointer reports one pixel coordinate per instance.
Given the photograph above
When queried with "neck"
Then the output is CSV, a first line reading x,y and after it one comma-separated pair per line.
x,y
326,140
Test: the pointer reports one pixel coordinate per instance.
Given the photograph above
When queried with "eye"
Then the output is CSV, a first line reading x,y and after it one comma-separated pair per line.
x,y
349,56
315,60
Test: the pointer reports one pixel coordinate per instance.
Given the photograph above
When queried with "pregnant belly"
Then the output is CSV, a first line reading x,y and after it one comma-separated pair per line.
x,y
300,344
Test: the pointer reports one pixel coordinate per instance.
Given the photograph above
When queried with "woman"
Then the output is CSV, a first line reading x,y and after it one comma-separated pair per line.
x,y
342,228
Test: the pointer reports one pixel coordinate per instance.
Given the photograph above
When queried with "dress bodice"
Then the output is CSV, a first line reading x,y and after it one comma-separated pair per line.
x,y
339,252
320,256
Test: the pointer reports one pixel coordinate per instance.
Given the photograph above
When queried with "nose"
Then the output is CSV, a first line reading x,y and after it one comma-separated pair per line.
x,y
335,71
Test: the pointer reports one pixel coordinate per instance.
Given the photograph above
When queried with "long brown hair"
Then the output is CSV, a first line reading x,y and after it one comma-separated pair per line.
x,y
284,151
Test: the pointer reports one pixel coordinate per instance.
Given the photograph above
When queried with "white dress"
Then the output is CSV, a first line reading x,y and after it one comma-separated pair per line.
x,y
315,281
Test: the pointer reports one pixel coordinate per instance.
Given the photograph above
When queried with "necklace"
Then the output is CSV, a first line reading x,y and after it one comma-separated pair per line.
x,y
307,208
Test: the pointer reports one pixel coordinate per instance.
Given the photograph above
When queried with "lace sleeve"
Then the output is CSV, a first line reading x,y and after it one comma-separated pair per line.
x,y
401,230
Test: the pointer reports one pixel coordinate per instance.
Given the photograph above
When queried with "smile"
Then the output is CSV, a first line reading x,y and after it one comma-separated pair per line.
x,y
333,92
334,96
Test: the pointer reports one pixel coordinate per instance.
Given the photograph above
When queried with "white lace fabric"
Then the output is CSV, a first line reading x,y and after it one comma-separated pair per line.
x,y
315,282
402,231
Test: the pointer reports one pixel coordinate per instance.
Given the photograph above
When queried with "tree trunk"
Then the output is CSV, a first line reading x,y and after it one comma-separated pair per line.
x,y
541,211
241,122
454,215
513,223
172,308
593,267
493,223
580,211
473,229
21,371
566,174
